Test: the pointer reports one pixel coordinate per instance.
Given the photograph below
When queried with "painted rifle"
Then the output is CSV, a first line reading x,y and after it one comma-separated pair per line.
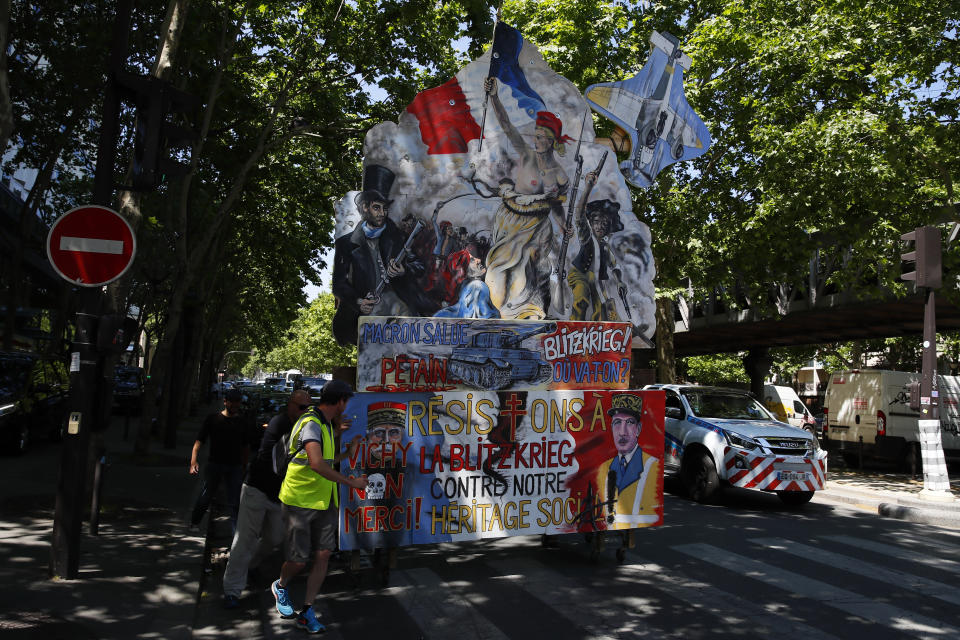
x,y
561,268
385,279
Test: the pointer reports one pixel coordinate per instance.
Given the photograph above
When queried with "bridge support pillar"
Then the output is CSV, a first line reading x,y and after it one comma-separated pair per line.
x,y
757,363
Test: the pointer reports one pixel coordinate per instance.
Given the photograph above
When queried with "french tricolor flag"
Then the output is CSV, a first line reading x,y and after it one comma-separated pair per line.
x,y
446,125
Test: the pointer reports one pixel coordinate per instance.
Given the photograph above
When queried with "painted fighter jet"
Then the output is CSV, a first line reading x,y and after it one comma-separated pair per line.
x,y
653,110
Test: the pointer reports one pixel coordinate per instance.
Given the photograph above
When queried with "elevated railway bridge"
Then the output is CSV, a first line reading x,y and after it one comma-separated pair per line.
x,y
704,325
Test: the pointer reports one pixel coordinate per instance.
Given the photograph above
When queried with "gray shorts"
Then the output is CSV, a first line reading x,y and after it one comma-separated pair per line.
x,y
309,530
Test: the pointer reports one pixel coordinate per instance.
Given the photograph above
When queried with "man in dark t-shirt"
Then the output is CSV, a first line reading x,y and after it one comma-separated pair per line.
x,y
260,522
229,432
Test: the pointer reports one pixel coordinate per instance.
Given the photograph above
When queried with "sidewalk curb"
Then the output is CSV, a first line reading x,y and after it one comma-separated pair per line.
x,y
908,507
920,515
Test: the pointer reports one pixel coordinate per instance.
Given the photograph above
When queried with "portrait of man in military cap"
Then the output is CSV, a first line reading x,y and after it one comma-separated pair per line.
x,y
627,482
384,466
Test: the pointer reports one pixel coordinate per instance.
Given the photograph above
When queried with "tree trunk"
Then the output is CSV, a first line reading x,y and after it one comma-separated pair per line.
x,y
25,229
161,364
666,362
6,106
129,201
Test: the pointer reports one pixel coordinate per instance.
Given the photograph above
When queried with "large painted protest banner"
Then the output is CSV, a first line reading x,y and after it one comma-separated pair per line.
x,y
489,198
457,466
447,354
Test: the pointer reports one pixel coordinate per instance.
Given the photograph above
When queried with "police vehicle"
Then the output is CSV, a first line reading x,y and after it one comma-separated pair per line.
x,y
716,435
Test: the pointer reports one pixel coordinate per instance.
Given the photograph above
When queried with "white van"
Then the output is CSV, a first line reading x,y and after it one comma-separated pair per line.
x,y
871,408
949,389
786,405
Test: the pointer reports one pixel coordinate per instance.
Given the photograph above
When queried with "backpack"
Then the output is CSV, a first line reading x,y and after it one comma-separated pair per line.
x,y
280,455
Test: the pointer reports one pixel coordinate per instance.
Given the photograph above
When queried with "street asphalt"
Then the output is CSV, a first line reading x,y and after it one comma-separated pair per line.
x,y
147,576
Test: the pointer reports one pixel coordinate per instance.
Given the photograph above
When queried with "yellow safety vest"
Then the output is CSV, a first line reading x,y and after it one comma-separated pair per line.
x,y
302,486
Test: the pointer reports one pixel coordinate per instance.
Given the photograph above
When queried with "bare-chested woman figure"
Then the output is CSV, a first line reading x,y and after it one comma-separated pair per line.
x,y
518,264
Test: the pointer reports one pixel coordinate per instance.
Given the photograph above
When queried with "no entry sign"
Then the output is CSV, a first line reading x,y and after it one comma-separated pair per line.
x,y
91,245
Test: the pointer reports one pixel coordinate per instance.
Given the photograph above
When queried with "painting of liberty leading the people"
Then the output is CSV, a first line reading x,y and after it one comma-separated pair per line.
x,y
491,198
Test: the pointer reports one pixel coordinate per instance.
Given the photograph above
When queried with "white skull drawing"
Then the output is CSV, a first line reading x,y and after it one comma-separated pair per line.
x,y
376,483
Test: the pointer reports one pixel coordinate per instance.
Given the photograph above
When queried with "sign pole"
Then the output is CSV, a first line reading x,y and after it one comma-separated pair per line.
x,y
84,360
936,483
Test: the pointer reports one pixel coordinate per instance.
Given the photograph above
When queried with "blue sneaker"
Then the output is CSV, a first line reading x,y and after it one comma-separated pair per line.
x,y
309,623
284,608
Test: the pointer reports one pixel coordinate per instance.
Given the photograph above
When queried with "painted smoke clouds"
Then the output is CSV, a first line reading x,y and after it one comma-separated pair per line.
x,y
425,180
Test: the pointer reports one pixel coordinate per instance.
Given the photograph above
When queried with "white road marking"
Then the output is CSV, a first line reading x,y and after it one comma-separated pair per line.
x,y
928,556
568,598
886,615
765,620
442,609
91,245
929,588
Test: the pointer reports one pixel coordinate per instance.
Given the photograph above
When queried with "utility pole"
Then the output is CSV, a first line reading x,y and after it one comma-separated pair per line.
x,y
84,357
927,274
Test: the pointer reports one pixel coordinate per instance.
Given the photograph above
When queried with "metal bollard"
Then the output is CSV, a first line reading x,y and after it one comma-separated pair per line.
x,y
860,453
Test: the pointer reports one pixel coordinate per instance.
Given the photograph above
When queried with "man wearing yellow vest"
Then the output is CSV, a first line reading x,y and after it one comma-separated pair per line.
x,y
309,498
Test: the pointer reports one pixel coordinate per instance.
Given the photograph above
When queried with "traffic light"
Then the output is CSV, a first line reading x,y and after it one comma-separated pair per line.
x,y
925,257
114,333
913,392
155,136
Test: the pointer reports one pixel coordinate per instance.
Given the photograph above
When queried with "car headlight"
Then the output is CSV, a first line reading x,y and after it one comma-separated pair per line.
x,y
737,440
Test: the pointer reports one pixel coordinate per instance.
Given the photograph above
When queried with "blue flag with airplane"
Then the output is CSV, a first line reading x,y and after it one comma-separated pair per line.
x,y
652,109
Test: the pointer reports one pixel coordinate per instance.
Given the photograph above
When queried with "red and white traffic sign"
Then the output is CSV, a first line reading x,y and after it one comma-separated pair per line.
x,y
91,245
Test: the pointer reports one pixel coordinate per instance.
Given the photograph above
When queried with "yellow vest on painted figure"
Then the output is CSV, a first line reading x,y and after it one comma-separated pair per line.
x,y
302,486
633,508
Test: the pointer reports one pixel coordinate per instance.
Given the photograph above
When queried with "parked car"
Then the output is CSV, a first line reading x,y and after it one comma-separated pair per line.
x,y
716,435
313,384
269,405
128,384
274,384
33,399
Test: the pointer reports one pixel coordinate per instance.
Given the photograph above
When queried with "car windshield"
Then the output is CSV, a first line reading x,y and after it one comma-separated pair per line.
x,y
721,404
129,377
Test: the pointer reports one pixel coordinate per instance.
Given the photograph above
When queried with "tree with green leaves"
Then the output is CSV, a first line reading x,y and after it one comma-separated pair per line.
x,y
309,346
834,131
286,95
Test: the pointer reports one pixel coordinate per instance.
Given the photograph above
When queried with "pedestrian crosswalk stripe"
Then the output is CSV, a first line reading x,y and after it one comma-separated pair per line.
x,y
567,597
848,601
949,549
927,587
439,607
920,557
763,620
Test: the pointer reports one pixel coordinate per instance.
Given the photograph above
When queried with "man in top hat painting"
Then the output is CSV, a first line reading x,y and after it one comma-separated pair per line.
x,y
627,482
366,257
593,265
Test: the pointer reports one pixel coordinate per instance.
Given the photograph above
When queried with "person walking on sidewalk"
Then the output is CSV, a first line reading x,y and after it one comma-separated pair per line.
x,y
229,432
260,523
310,503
